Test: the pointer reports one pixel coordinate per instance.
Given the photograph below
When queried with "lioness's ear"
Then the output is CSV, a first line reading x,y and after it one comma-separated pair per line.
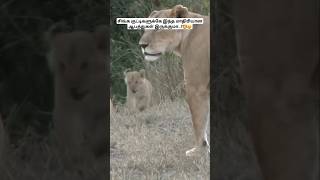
x,y
179,11
100,34
153,13
142,73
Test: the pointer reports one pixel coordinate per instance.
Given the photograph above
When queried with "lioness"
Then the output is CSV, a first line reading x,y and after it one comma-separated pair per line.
x,y
139,90
78,62
193,47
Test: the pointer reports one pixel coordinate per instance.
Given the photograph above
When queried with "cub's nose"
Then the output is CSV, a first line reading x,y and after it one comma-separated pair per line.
x,y
76,94
143,45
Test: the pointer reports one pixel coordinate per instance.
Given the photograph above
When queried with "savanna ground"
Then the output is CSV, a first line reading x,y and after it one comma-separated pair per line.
x,y
35,158
151,144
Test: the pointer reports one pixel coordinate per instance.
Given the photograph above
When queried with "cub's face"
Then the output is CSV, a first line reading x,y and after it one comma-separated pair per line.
x,y
135,80
77,58
154,43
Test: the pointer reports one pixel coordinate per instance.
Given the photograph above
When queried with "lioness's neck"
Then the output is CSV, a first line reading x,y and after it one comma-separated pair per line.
x,y
195,15
187,35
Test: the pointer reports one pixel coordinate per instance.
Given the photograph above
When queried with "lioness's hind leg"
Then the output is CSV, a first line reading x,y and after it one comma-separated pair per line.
x,y
206,142
198,103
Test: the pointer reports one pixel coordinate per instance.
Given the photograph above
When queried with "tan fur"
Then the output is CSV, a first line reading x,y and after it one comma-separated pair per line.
x,y
78,64
193,47
139,90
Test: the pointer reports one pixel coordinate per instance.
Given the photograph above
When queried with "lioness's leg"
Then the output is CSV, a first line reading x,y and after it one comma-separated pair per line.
x,y
197,98
207,125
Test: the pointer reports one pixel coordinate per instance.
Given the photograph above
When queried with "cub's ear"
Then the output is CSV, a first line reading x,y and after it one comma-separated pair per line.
x,y
101,33
153,13
57,28
179,11
125,72
48,38
142,73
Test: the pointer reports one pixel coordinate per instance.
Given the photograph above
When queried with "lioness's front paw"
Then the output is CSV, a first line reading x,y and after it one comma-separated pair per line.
x,y
208,148
192,152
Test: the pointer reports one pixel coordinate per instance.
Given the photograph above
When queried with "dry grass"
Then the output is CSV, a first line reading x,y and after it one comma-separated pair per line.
x,y
152,144
37,159
168,69
39,162
145,146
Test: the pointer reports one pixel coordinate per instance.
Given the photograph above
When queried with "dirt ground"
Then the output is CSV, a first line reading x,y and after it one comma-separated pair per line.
x,y
151,145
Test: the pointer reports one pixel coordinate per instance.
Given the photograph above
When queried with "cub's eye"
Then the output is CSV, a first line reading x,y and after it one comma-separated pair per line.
x,y
136,82
84,65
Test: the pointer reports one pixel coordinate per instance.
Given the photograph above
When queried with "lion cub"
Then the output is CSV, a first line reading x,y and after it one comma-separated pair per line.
x,y
139,90
78,61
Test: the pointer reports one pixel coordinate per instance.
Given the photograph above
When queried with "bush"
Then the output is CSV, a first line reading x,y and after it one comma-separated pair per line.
x,y
166,74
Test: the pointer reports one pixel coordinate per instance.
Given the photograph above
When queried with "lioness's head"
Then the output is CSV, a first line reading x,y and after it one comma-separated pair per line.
x,y
76,58
135,80
154,43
